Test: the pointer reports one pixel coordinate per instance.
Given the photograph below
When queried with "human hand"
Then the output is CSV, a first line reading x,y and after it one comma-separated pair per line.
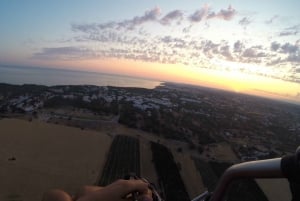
x,y
117,191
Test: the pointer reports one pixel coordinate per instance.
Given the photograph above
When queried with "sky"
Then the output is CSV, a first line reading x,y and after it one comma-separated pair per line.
x,y
243,46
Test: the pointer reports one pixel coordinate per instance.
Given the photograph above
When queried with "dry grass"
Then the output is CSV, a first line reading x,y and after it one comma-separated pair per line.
x,y
221,152
275,189
147,166
47,156
57,156
190,175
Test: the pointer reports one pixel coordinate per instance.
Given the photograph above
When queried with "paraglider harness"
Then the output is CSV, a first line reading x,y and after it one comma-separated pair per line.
x,y
151,186
285,167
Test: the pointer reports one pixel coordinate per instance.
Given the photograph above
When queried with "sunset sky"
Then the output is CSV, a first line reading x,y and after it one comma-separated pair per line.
x,y
244,46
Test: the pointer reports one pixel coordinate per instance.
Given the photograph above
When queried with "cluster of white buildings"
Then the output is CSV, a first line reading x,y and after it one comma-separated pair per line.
x,y
141,102
145,103
25,103
88,94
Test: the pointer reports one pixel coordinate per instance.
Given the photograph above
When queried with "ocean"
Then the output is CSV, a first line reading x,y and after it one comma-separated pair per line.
x,y
51,77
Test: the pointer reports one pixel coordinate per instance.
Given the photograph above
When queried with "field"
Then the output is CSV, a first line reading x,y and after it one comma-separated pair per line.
x,y
189,174
208,175
220,151
147,166
170,180
275,189
123,158
35,157
45,154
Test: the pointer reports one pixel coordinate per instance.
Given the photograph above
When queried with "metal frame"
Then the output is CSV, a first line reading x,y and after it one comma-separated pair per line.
x,y
270,168
255,169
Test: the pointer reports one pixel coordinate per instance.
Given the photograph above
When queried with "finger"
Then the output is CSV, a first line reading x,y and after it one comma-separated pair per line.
x,y
117,191
124,187
147,196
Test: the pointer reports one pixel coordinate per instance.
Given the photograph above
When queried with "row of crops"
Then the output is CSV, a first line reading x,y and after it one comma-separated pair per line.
x,y
123,158
170,180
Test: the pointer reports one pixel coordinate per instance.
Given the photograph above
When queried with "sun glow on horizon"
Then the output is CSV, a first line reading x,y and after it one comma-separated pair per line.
x,y
230,78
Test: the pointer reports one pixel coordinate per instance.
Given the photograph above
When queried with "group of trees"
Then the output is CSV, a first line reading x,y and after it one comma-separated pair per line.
x,y
159,122
9,90
99,106
128,115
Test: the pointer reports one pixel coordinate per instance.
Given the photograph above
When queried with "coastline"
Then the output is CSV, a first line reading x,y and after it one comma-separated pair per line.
x,y
55,76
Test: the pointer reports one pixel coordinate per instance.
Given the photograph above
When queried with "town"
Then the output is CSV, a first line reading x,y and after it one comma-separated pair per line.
x,y
256,128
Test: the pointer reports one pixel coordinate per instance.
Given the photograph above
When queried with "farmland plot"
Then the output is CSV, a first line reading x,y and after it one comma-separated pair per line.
x,y
123,158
